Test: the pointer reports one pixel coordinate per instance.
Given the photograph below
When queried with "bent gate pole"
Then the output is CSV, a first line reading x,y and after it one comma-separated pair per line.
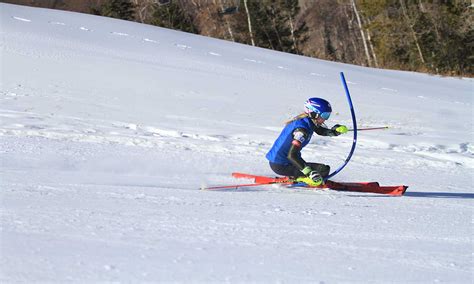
x,y
354,123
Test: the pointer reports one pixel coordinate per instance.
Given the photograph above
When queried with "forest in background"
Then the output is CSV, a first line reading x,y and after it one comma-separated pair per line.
x,y
434,37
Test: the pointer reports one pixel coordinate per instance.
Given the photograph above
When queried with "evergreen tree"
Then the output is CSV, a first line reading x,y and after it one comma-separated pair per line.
x,y
290,10
433,37
173,16
329,47
274,23
451,38
119,9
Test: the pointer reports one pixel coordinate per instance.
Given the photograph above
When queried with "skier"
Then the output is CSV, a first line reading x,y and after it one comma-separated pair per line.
x,y
285,154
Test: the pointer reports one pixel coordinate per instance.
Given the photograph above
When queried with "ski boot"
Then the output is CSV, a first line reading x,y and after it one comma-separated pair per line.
x,y
310,182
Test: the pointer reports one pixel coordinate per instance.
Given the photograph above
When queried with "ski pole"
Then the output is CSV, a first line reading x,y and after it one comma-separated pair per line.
x,y
371,128
245,185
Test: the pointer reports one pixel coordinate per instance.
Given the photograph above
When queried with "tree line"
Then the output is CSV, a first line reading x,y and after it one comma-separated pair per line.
x,y
417,35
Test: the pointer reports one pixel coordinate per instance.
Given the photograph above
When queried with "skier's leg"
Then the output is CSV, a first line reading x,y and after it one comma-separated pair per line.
x,y
285,170
321,168
292,171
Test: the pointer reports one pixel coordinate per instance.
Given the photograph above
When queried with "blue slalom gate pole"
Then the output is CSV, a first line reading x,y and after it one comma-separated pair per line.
x,y
354,123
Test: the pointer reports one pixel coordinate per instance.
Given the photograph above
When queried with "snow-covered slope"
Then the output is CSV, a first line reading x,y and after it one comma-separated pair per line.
x,y
109,128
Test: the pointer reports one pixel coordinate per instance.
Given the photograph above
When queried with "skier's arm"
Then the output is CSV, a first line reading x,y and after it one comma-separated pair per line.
x,y
323,131
299,136
336,130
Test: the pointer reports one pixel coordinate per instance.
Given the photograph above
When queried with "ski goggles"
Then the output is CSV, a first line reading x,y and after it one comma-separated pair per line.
x,y
323,115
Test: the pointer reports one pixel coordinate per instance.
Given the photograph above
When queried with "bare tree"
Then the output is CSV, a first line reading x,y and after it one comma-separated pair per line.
x,y
229,28
143,9
369,61
293,38
369,40
249,23
415,38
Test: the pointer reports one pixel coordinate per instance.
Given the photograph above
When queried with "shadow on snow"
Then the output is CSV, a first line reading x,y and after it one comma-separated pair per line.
x,y
462,195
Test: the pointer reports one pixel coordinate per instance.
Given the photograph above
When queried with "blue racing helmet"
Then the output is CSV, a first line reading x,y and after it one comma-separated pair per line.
x,y
317,107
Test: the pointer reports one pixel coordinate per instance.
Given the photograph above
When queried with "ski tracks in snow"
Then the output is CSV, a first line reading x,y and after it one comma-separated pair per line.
x,y
57,127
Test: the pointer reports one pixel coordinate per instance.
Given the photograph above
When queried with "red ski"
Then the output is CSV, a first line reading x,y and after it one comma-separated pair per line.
x,y
257,181
371,187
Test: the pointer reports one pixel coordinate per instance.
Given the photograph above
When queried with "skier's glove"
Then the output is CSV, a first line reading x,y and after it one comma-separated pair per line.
x,y
314,176
339,129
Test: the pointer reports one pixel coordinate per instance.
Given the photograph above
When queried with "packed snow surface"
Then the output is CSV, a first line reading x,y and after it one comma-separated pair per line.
x,y
108,130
